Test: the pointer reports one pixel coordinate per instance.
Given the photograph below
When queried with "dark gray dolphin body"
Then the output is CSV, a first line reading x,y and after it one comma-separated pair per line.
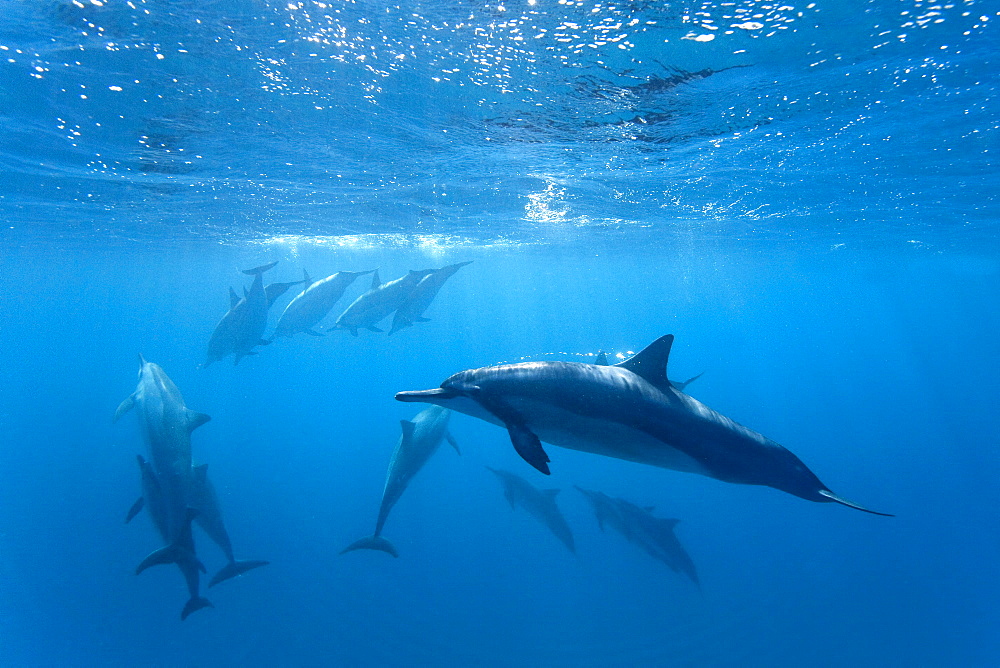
x,y
183,547
382,299
654,535
242,327
166,425
628,411
202,497
420,439
412,309
314,302
539,503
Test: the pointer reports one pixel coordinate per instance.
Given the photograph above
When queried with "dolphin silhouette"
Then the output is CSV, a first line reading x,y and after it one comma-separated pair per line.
x,y
539,503
628,411
381,299
314,302
412,310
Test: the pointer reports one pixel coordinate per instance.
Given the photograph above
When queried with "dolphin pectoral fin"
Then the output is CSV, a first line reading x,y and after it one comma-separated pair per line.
x,y
135,509
196,419
259,270
452,442
124,407
527,445
195,604
312,332
373,328
235,569
372,543
844,502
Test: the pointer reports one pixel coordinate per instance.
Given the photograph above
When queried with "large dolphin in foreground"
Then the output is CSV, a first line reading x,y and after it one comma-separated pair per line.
x,y
205,501
539,503
166,424
420,439
412,310
381,299
242,327
628,411
312,304
654,535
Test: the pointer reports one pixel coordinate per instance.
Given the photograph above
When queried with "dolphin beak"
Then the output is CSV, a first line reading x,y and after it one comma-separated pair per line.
x,y
426,396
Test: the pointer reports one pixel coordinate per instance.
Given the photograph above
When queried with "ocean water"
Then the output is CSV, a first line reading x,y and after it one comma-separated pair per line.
x,y
805,195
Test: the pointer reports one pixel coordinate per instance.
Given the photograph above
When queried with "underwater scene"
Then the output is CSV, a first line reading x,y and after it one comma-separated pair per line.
x,y
499,333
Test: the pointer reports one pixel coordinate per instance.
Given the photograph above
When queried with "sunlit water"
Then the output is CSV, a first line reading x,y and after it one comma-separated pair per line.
x,y
805,195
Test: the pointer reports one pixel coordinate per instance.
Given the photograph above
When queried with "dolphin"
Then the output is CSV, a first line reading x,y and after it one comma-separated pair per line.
x,y
602,360
540,504
242,327
312,304
412,310
639,526
202,498
628,411
420,439
152,500
381,299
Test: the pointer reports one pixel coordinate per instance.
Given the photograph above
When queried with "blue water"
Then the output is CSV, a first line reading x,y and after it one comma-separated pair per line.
x,y
805,195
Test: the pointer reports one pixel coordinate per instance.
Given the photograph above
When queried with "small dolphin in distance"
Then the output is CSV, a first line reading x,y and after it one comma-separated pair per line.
x,y
639,526
420,439
539,503
628,411
314,302
412,310
381,299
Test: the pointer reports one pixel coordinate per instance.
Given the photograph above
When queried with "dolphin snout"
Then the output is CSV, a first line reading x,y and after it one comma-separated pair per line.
x,y
427,396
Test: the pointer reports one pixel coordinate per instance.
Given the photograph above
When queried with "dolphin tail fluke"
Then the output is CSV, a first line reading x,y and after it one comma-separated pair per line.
x,y
196,603
844,502
169,554
372,543
236,568
681,386
256,271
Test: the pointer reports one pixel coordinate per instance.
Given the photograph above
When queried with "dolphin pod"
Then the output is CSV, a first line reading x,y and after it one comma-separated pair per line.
x,y
419,441
315,301
627,411
654,535
539,503
174,492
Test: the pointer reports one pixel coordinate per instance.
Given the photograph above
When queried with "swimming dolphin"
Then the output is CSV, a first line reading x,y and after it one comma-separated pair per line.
x,y
382,299
602,360
312,304
628,411
202,498
412,310
242,327
539,503
187,562
420,440
639,526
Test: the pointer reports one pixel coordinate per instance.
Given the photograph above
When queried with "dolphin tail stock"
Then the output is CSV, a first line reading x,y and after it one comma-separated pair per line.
x,y
235,568
844,502
195,603
256,271
372,543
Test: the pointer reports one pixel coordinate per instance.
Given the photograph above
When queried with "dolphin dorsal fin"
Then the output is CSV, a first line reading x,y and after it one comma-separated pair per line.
x,y
234,298
376,281
307,281
408,428
602,358
650,363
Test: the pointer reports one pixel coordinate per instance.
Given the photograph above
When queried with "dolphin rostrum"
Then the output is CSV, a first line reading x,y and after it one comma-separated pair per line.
x,y
312,304
242,327
654,535
202,498
166,425
382,299
420,439
412,310
628,411
539,503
